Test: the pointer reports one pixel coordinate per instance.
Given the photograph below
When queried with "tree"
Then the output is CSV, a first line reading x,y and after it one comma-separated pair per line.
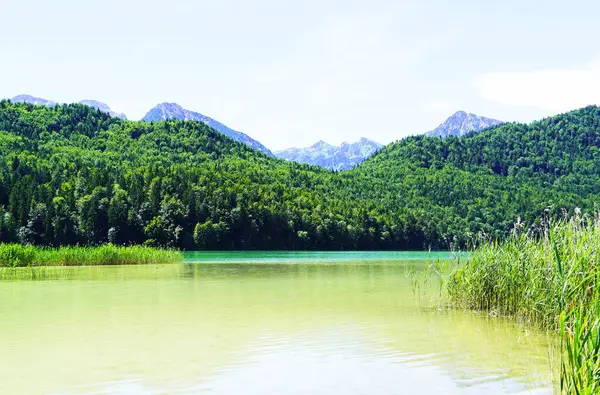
x,y
118,210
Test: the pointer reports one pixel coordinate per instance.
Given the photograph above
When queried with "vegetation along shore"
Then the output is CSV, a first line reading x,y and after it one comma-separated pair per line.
x,y
72,176
15,255
549,279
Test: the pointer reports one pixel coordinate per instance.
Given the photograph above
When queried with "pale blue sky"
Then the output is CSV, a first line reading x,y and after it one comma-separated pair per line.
x,y
289,73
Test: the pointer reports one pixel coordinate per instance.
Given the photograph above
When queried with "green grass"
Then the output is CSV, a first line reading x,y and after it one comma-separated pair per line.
x,y
550,281
15,255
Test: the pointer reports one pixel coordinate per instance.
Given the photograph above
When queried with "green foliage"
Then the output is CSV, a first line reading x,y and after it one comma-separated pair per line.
x,y
72,175
457,188
550,280
580,344
16,255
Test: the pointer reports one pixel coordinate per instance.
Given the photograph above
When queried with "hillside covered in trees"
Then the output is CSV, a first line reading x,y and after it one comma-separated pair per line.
x,y
71,174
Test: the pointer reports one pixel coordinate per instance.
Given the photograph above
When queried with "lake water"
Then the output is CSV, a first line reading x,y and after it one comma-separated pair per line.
x,y
257,323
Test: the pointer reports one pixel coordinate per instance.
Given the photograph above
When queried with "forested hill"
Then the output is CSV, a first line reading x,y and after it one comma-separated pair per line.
x,y
72,174
173,111
485,181
557,146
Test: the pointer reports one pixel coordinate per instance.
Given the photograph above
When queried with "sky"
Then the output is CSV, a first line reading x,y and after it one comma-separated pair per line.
x,y
290,73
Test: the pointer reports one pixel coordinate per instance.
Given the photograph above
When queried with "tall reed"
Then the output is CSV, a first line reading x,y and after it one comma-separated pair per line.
x,y
549,279
580,345
15,255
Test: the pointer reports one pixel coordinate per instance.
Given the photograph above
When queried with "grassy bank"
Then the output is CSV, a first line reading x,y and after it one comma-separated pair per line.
x,y
550,281
15,255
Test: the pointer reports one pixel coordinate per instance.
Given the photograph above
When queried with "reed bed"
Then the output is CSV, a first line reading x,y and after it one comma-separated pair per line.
x,y
548,279
16,255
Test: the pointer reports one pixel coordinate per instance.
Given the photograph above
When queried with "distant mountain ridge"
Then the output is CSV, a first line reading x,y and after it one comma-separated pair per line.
x,y
45,102
347,155
32,100
322,154
102,107
462,123
165,111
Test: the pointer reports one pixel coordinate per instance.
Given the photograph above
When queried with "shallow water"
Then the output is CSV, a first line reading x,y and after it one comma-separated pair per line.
x,y
256,323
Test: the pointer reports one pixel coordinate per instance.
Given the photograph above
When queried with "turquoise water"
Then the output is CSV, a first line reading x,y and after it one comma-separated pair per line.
x,y
285,257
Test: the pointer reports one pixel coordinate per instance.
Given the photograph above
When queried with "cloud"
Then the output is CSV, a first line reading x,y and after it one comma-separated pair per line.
x,y
554,90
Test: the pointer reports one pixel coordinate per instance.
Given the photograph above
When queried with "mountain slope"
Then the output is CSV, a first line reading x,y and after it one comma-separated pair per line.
x,y
71,174
462,123
32,100
102,107
554,147
45,102
331,157
482,183
349,155
170,111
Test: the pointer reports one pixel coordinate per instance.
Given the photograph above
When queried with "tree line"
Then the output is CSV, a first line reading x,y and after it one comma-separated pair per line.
x,y
71,174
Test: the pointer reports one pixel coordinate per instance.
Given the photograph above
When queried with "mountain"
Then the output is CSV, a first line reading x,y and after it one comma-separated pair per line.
x,y
165,111
73,175
481,184
344,157
32,100
70,174
103,107
462,123
347,155
45,102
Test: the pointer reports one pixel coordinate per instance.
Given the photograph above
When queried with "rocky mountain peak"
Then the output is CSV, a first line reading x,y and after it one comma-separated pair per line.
x,y
164,111
102,107
32,100
323,154
461,123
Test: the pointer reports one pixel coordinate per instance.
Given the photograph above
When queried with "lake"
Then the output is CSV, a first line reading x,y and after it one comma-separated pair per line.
x,y
257,323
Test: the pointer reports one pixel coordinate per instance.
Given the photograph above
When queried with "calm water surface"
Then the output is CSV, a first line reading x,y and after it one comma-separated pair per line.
x,y
256,323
